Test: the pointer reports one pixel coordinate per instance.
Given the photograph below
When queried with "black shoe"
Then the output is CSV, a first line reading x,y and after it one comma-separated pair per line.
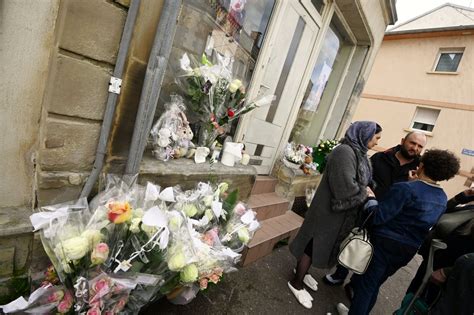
x,y
332,280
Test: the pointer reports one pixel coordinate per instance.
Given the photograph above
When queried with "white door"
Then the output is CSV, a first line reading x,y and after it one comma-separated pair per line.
x,y
284,59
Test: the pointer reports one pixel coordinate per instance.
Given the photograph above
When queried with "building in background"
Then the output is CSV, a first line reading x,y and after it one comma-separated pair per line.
x,y
423,79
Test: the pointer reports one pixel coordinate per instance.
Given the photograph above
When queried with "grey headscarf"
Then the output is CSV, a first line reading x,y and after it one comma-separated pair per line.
x,y
357,137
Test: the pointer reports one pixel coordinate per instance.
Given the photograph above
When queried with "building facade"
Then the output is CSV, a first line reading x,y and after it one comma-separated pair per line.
x,y
59,55
423,80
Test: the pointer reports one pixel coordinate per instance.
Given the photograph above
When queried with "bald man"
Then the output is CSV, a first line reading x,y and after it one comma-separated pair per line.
x,y
388,167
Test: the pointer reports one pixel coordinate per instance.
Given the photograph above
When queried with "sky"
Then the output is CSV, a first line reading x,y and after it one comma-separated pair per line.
x,y
408,9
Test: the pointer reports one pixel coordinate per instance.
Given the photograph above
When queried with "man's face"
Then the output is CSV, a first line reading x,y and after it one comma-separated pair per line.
x,y
412,145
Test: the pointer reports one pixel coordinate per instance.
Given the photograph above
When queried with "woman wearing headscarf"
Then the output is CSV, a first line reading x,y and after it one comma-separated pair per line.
x,y
335,207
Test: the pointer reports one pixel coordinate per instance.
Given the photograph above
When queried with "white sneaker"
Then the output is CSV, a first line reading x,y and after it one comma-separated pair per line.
x,y
342,309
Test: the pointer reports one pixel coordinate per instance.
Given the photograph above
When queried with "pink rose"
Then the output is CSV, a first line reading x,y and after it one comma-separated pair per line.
x,y
99,253
239,209
203,284
56,296
94,311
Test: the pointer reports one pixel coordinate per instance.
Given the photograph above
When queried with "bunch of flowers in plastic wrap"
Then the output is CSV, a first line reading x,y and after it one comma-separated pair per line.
x,y
171,135
299,156
214,95
321,151
137,244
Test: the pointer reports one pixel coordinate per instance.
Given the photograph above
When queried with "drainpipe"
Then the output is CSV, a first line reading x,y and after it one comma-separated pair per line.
x,y
155,72
114,91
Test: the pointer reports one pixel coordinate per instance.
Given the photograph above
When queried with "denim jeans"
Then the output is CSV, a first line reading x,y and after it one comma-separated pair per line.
x,y
389,256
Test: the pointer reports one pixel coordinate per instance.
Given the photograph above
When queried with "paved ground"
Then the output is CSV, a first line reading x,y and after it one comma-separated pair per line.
x,y
261,288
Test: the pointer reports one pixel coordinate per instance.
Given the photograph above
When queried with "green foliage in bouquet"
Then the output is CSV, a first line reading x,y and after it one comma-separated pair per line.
x,y
321,151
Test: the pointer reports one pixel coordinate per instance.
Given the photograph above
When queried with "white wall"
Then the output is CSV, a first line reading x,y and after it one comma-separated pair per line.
x,y
26,37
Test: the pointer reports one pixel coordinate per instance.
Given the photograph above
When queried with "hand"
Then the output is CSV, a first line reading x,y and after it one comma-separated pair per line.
x,y
469,192
370,193
438,276
412,175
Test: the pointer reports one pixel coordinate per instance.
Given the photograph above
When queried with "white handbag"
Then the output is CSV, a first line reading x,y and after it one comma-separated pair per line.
x,y
356,251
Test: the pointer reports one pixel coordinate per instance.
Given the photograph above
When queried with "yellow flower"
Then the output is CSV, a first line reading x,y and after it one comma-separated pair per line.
x,y
119,212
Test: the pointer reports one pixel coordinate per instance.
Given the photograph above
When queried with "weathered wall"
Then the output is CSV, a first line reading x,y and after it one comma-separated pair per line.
x,y
87,41
26,36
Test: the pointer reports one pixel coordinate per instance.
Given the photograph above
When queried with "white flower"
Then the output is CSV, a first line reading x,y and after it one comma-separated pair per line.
x,y
235,85
208,200
244,235
135,225
176,261
72,249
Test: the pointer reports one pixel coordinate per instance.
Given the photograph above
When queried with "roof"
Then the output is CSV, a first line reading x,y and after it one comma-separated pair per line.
x,y
445,17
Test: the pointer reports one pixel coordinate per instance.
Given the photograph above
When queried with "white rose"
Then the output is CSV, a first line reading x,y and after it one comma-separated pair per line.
x,y
72,249
234,86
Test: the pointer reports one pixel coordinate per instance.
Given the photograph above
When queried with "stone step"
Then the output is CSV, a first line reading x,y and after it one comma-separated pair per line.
x,y
264,184
270,233
268,205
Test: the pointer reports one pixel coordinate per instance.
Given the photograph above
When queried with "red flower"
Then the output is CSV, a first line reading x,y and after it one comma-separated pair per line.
x,y
230,113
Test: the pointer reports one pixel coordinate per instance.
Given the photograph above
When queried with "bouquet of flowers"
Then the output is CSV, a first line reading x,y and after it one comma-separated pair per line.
x,y
321,151
171,134
135,245
215,96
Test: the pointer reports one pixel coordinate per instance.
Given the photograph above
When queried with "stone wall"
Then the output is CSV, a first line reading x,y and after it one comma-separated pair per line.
x,y
88,35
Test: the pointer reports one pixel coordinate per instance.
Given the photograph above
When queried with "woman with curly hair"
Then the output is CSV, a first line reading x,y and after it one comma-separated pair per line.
x,y
400,223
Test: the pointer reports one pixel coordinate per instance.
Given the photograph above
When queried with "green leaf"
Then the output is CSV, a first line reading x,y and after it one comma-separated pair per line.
x,y
230,202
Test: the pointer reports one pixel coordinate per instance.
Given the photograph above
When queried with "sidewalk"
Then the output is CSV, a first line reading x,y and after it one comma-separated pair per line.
x,y
261,288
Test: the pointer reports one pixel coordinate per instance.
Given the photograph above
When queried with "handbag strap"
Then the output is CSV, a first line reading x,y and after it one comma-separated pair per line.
x,y
363,225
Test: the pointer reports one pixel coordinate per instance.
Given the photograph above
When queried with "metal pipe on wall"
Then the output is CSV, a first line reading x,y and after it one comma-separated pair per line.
x,y
152,85
112,98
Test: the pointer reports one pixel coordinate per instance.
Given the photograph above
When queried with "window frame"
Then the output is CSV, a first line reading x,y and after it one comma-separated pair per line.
x,y
452,50
414,119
